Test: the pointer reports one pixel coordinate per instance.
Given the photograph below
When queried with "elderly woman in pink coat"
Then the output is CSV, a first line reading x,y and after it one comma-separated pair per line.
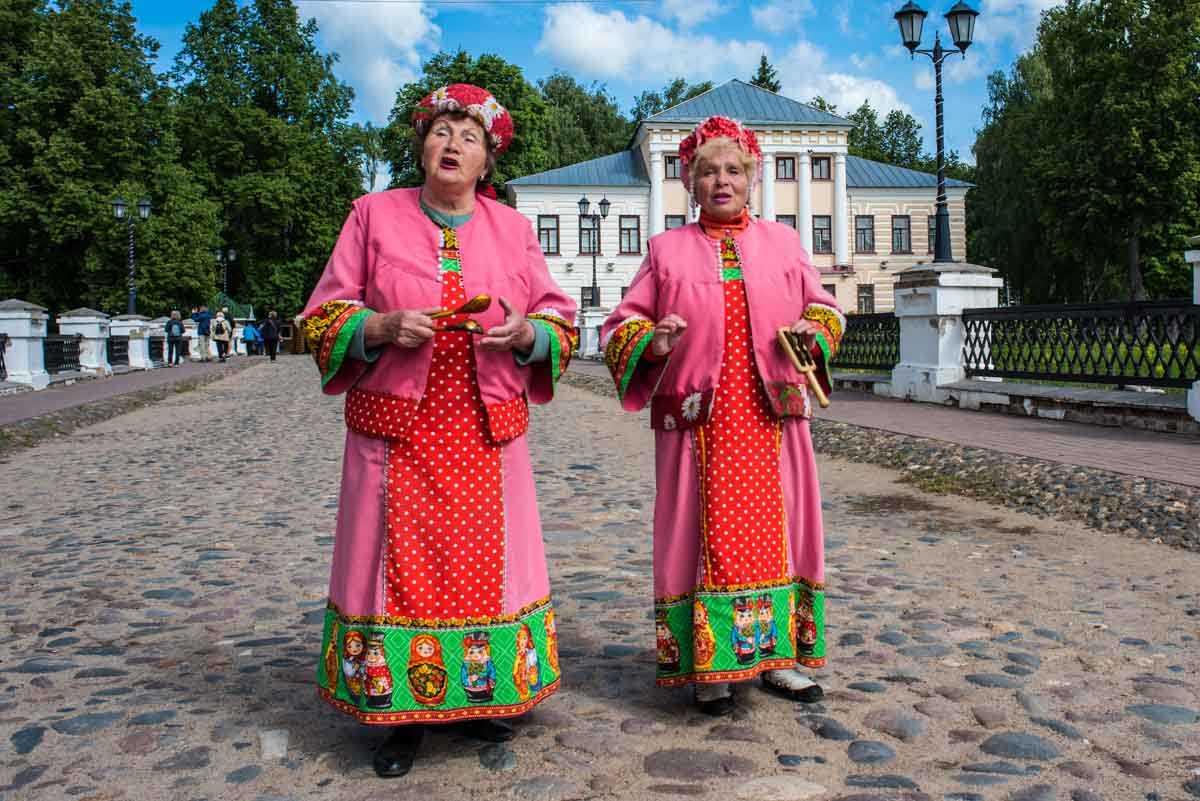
x,y
437,316
738,547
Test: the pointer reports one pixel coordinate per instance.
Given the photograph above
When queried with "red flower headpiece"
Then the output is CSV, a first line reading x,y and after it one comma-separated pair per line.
x,y
716,127
477,102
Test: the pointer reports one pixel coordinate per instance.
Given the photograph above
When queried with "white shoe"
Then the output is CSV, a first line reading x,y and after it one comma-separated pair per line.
x,y
792,684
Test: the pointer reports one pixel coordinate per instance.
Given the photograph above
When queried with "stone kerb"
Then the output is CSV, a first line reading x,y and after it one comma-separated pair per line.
x,y
1192,257
26,326
137,328
93,326
930,300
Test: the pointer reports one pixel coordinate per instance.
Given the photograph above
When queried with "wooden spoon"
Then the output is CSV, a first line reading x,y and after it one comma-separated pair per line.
x,y
470,326
473,306
802,360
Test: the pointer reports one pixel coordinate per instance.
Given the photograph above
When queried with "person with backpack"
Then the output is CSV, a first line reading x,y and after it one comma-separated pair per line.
x,y
222,334
174,329
269,330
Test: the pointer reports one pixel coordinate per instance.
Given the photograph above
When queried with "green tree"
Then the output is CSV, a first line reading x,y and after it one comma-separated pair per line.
x,y
530,149
584,122
866,137
821,104
368,148
263,123
647,104
766,77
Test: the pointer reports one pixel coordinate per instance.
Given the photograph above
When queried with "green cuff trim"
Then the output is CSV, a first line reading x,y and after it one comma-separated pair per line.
x,y
344,337
555,343
540,349
634,358
823,344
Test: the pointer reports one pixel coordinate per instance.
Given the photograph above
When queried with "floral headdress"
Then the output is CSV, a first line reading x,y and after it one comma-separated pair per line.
x,y
477,102
716,127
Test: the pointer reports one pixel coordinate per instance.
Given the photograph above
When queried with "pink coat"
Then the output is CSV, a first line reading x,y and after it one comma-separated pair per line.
x,y
681,274
387,259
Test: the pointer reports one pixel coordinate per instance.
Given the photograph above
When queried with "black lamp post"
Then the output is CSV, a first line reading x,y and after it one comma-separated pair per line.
x,y
594,220
961,18
143,212
224,257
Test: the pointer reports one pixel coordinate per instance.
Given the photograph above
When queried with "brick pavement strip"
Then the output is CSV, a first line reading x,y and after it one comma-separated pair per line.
x,y
161,629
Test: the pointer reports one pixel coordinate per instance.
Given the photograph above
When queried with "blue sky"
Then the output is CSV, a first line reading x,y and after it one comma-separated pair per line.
x,y
846,51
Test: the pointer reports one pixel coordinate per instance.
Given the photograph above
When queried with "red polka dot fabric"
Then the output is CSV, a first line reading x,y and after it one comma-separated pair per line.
x,y
445,502
743,495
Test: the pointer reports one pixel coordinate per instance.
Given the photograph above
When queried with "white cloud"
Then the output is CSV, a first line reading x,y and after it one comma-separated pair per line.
x,y
780,17
805,72
378,47
611,45
690,12
1011,21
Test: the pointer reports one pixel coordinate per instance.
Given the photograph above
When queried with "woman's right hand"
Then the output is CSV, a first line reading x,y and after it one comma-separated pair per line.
x,y
407,329
666,333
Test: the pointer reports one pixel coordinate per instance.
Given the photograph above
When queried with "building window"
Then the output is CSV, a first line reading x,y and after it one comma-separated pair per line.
x,y
631,234
822,233
821,170
901,234
786,219
548,233
675,221
830,289
866,299
785,168
864,233
589,235
932,232
587,299
671,166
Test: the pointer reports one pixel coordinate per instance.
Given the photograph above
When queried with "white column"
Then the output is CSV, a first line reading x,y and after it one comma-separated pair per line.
x,y
657,224
24,352
768,187
136,327
840,211
1193,258
92,325
930,300
805,220
189,332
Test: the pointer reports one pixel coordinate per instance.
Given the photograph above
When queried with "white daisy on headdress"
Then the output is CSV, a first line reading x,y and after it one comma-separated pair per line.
x,y
691,406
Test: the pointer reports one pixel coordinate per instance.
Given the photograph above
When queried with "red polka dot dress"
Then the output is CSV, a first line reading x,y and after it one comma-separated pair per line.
x,y
446,519
743,523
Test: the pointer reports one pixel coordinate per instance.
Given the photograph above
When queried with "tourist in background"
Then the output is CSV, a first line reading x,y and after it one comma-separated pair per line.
x,y
174,331
269,330
202,317
222,334
251,338
738,543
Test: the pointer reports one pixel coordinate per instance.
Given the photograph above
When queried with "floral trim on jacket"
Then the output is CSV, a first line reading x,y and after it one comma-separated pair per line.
x,y
329,331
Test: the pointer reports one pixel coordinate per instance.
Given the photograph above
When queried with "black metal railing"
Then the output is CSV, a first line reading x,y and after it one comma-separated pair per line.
x,y
870,342
60,352
156,349
1153,343
3,348
118,351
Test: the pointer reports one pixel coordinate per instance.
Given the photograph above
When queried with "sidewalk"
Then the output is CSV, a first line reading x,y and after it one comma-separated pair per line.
x,y
1164,457
26,405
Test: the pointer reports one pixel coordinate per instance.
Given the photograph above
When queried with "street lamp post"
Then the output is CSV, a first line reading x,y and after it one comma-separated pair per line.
x,y
143,212
594,219
223,257
961,18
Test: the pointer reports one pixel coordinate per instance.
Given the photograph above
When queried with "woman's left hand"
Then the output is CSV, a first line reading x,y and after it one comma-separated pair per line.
x,y
516,333
807,331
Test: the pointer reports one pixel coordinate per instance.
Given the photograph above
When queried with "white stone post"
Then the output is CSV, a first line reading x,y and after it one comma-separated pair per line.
x,y
137,328
930,299
657,223
24,359
92,325
841,207
590,320
193,339
805,221
1193,258
768,187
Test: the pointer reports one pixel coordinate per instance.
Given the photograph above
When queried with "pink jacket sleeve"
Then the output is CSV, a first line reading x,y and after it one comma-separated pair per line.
x,y
335,310
626,335
550,309
821,308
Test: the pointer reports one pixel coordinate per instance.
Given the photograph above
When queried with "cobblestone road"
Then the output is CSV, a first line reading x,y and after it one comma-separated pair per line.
x,y
165,572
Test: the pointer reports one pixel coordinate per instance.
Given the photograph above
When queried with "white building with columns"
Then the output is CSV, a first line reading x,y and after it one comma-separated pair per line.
x,y
861,220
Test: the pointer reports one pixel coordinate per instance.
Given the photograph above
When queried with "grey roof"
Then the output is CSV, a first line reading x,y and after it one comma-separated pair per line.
x,y
619,169
866,174
83,312
13,304
750,104
131,317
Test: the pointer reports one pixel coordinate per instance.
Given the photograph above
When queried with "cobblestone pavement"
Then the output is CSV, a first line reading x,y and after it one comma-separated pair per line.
x,y
165,573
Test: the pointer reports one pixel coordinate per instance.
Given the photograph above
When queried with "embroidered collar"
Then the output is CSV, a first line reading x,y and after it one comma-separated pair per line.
x,y
724,229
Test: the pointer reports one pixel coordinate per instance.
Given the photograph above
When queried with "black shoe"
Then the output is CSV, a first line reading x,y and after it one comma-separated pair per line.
x,y
490,730
395,757
809,695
